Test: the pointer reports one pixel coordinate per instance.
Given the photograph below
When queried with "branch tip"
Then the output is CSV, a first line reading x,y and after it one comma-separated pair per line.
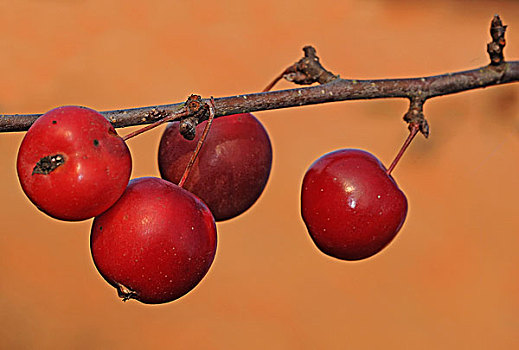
x,y
495,48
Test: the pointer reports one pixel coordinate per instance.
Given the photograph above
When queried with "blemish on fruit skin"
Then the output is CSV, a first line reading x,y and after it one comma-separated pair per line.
x,y
48,164
378,196
96,142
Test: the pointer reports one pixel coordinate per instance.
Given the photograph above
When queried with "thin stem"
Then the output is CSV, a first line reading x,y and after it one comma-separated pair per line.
x,y
154,125
199,144
413,130
274,82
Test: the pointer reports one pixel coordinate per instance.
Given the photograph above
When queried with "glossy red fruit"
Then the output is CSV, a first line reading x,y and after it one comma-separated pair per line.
x,y
156,243
232,168
351,207
72,164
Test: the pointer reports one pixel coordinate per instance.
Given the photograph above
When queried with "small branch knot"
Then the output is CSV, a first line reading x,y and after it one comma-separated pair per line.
x,y
197,112
415,117
308,70
495,48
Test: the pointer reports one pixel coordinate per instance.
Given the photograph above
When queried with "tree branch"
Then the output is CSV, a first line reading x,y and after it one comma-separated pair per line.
x,y
338,90
498,72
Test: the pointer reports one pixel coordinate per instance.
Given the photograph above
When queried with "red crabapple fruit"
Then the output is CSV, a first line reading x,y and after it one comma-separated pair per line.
x,y
351,207
156,243
232,168
72,164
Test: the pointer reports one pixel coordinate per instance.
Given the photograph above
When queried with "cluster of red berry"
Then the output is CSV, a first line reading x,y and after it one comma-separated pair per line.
x,y
154,240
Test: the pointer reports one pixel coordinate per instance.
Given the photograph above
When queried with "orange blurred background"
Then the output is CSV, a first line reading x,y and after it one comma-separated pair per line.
x,y
448,281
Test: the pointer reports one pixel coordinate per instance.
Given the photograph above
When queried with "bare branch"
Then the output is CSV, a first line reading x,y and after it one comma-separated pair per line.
x,y
333,89
338,90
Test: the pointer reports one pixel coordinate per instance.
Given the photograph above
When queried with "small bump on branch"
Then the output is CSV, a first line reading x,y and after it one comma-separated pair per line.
x,y
205,107
495,48
193,112
415,117
197,112
306,71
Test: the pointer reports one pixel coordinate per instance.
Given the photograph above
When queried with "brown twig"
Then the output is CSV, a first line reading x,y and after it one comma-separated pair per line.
x,y
338,90
422,88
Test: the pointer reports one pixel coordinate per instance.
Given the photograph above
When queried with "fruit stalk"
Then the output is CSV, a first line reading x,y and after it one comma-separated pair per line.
x,y
199,144
413,130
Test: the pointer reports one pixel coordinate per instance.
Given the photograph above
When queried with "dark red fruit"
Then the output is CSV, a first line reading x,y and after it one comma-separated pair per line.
x,y
72,164
232,168
156,243
351,207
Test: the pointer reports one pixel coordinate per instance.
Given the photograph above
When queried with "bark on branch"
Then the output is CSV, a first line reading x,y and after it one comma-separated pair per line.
x,y
334,89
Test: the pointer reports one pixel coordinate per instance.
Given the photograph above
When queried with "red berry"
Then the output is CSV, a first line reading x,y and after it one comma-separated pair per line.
x,y
72,164
351,207
232,168
156,243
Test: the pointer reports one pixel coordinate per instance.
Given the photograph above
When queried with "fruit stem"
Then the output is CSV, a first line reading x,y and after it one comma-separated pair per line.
x,y
274,82
199,144
413,130
155,124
